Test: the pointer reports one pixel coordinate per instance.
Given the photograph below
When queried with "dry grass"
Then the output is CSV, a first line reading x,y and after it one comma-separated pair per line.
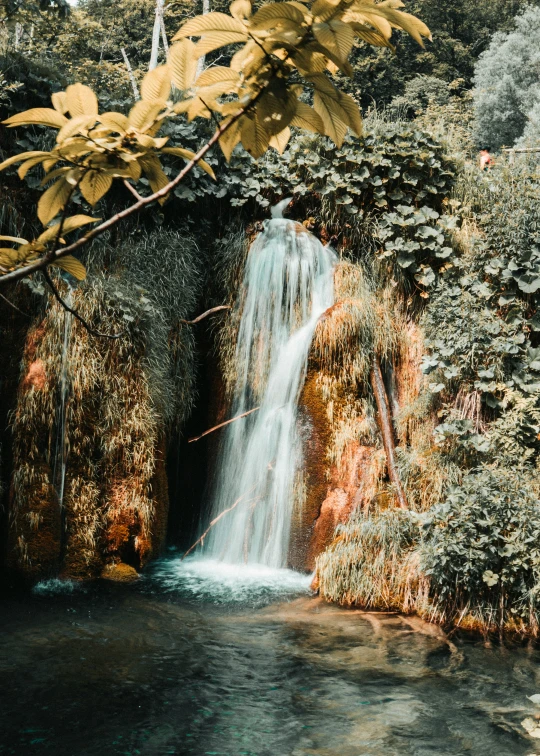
x,y
373,563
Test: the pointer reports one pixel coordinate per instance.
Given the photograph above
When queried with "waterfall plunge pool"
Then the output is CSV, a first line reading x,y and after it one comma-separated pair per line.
x,y
198,658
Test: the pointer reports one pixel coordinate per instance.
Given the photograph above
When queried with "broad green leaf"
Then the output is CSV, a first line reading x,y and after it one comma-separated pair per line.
x,y
156,85
183,64
94,186
81,100
189,155
210,23
40,116
53,200
72,266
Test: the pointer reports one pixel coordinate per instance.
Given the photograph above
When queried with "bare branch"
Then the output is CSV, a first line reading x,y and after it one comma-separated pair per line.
x,y
53,255
10,303
206,314
132,189
216,427
214,521
75,313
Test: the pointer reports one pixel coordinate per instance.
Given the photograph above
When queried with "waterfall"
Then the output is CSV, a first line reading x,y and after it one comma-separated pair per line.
x,y
60,457
287,286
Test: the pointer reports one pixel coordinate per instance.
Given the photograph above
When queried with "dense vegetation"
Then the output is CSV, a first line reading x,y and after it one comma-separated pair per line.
x,y
439,264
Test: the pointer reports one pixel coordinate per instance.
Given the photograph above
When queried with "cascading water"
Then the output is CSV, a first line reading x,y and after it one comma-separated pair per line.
x,y
287,286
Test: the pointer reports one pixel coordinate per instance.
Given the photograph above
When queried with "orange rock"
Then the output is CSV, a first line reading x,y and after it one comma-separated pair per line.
x,y
120,573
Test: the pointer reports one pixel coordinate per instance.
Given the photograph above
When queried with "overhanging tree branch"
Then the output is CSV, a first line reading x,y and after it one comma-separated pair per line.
x,y
49,258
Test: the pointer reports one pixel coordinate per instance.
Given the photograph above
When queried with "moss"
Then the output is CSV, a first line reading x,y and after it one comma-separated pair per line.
x,y
120,573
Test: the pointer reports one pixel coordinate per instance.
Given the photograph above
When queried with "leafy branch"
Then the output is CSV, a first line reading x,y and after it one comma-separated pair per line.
x,y
253,102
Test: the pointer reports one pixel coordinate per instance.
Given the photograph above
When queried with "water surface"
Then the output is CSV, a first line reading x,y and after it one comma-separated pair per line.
x,y
201,659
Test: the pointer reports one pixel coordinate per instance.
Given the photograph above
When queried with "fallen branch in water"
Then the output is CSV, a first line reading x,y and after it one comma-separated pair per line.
x,y
214,521
206,314
216,427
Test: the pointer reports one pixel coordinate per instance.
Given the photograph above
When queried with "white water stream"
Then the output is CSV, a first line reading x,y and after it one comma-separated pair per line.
x,y
287,286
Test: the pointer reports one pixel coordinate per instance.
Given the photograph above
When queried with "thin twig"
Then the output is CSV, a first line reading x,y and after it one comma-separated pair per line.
x,y
132,189
206,314
214,521
47,259
216,427
26,315
75,313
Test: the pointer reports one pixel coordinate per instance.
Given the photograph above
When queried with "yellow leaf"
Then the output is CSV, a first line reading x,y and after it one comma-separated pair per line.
x,y
273,14
59,102
23,156
332,100
240,9
276,109
94,186
230,138
156,85
143,114
322,10
154,172
75,125
198,109
209,23
28,164
9,257
217,74
370,36
280,141
70,224
49,163
306,118
336,37
189,155
54,174
255,138
72,266
41,116
53,200
115,122
183,64
248,58
14,239
81,100
214,40
182,107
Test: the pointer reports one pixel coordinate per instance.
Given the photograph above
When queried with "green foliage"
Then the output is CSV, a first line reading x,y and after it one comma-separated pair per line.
x,y
506,82
481,550
255,100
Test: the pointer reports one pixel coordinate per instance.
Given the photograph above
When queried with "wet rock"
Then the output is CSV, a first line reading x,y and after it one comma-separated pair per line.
x,y
120,573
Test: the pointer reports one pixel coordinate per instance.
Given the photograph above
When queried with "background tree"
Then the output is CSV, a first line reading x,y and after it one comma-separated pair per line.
x,y
507,81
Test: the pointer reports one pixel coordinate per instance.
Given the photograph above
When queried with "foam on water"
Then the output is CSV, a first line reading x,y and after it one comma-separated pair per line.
x,y
219,582
56,586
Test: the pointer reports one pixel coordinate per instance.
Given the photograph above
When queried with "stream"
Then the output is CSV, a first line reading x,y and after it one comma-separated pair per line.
x,y
203,658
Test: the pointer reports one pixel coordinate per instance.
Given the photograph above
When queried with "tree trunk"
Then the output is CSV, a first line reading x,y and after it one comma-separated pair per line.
x,y
155,36
202,59
387,431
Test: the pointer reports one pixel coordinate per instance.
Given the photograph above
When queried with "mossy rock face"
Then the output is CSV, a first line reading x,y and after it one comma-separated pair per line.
x,y
120,573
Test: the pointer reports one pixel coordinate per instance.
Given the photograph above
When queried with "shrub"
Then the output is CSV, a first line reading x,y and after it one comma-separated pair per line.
x,y
481,551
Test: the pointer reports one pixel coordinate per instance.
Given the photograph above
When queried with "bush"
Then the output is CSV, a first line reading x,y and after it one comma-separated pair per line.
x,y
481,551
